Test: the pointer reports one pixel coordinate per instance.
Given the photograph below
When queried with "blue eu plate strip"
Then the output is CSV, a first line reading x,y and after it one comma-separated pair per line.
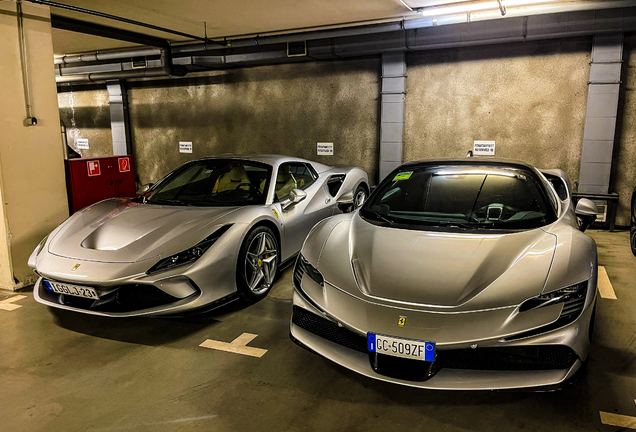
x,y
48,287
371,342
429,356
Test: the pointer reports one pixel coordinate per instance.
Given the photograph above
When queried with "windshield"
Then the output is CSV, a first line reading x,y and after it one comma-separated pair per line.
x,y
460,197
214,182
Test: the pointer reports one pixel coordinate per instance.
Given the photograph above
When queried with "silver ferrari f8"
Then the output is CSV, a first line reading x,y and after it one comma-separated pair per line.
x,y
211,229
455,274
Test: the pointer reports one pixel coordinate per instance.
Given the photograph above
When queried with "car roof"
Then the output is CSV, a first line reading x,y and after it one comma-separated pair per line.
x,y
270,159
471,161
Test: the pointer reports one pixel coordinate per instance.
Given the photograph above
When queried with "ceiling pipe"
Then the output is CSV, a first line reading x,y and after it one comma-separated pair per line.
x,y
107,55
121,19
109,76
71,24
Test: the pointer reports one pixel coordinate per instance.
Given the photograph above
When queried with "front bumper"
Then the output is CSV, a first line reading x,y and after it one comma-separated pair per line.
x,y
568,347
126,300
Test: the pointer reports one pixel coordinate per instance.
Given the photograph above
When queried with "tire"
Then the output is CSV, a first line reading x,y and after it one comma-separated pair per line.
x,y
632,239
359,197
257,265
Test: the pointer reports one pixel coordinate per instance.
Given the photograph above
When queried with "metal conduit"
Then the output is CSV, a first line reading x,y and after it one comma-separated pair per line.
x,y
167,68
109,55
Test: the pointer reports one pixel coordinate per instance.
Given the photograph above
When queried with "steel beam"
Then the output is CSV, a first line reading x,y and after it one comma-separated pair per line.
x,y
118,117
392,111
601,112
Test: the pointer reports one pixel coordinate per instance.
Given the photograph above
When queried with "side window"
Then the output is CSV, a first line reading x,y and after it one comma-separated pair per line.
x,y
334,183
560,187
292,176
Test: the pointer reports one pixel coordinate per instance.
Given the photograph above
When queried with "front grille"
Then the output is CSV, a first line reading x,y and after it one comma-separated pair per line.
x,y
328,330
136,297
522,358
401,368
542,357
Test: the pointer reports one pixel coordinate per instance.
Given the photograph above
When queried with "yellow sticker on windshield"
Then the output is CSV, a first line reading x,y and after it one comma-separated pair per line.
x,y
403,176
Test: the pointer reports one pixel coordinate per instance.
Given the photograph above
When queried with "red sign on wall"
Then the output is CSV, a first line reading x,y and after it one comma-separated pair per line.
x,y
93,168
124,164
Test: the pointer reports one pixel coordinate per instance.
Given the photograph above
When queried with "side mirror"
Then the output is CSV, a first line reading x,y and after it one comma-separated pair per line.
x,y
586,211
145,188
295,196
345,202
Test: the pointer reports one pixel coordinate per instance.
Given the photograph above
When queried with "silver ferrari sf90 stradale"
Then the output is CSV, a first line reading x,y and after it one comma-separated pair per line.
x,y
455,274
210,229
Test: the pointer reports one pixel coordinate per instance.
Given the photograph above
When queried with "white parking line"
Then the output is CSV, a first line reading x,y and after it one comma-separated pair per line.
x,y
237,346
618,420
8,303
605,288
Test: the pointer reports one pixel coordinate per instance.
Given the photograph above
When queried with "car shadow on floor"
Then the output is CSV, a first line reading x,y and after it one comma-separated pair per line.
x,y
151,331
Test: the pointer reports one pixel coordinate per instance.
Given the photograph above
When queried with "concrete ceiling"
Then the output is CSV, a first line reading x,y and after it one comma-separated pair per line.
x,y
223,17
233,18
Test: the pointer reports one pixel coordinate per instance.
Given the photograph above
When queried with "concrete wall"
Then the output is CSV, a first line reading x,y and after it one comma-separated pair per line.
x,y
86,114
528,97
283,109
31,161
623,178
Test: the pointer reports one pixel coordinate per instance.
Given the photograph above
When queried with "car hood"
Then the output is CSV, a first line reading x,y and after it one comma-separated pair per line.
x,y
449,269
124,231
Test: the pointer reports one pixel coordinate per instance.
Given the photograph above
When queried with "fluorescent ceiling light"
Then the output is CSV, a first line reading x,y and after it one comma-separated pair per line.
x,y
465,7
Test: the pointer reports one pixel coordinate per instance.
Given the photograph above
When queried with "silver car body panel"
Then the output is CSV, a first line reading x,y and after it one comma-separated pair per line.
x,y
116,241
375,274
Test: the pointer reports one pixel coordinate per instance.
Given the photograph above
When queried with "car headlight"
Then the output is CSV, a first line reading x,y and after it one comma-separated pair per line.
x,y
41,246
573,298
190,255
304,267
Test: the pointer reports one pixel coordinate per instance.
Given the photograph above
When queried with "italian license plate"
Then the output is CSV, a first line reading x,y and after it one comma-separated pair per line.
x,y
74,290
398,347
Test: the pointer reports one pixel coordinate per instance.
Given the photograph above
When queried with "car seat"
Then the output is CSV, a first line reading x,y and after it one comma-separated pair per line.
x,y
231,179
285,182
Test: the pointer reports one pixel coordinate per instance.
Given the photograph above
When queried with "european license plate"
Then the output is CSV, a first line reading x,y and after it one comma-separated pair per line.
x,y
74,290
398,347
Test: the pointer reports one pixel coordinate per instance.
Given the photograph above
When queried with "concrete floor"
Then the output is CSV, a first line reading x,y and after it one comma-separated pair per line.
x,y
62,371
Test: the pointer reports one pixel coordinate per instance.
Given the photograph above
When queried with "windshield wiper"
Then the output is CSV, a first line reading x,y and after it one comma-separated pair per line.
x,y
380,215
169,202
445,223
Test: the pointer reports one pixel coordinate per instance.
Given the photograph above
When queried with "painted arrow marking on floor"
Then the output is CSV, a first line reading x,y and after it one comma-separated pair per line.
x,y
237,346
605,288
8,303
618,420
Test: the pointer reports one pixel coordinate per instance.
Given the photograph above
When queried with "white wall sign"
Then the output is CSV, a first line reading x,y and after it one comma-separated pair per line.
x,y
82,143
325,149
185,146
484,148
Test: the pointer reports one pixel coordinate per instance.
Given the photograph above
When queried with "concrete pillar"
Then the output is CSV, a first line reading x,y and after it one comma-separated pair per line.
x,y
392,112
32,184
600,115
118,117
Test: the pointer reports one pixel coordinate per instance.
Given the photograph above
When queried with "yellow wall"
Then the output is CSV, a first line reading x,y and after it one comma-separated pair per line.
x,y
32,180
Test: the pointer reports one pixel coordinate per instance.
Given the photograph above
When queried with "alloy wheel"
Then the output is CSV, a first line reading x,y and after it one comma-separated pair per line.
x,y
261,262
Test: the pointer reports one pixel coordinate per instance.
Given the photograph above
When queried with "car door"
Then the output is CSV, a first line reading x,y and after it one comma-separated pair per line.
x,y
301,217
